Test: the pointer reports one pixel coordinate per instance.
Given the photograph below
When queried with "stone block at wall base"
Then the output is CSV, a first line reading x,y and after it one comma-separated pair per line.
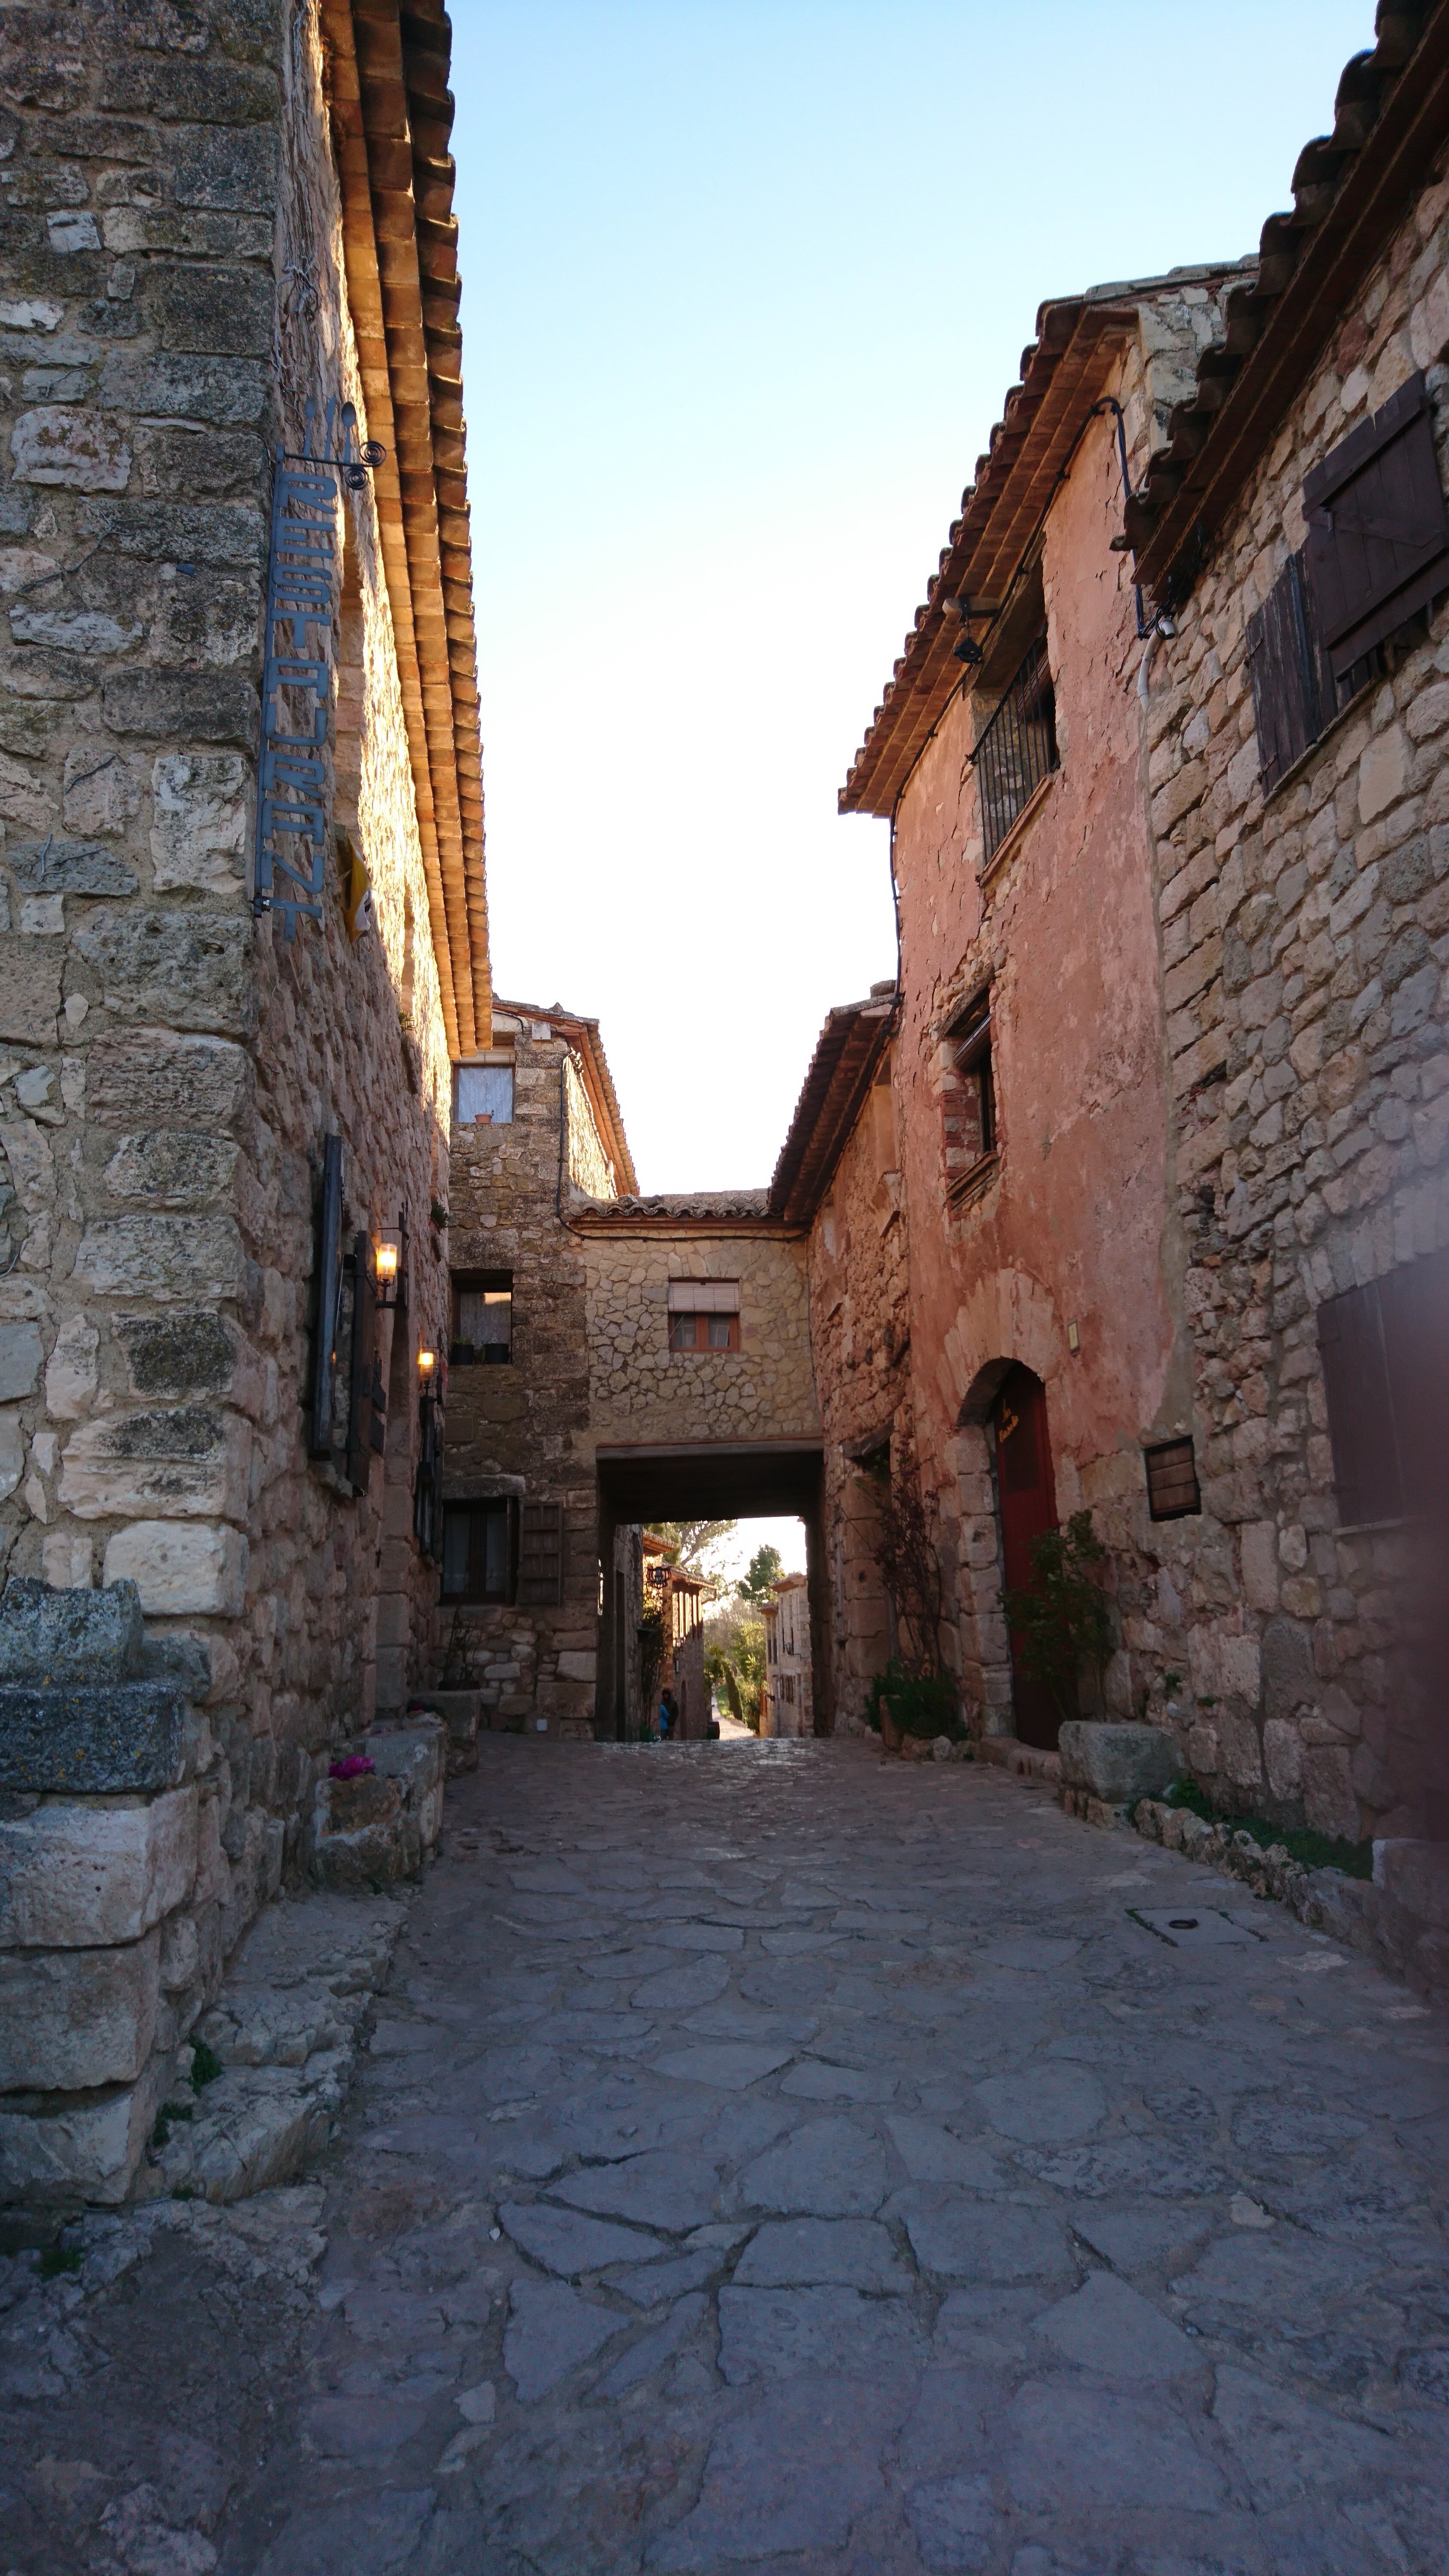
x,y
79,1874
1028,1761
73,2020
378,1828
96,1742
461,1712
87,2148
1117,1764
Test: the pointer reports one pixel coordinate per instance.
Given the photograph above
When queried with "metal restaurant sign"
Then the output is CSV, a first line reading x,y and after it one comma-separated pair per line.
x,y
291,834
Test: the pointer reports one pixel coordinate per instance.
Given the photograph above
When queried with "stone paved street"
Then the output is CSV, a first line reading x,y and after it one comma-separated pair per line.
x,y
768,2158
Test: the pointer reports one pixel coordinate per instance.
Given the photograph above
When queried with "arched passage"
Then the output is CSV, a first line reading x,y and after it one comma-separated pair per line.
x,y
714,1480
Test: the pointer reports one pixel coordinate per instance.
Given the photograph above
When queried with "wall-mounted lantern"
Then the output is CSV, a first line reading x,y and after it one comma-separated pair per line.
x,y
427,1370
390,1256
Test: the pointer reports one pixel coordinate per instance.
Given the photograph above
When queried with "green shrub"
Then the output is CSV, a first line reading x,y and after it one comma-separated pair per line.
x,y
921,1703
1312,1850
1060,1619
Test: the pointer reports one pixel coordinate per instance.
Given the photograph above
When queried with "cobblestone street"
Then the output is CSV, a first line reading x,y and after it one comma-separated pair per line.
x,y
769,2158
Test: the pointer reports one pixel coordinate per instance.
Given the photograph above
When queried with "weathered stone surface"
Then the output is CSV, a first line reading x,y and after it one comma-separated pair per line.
x,y
72,2020
165,1258
179,1569
30,973
853,2252
565,2241
54,1636
88,1876
58,443
198,836
1118,1764
98,1739
170,1168
161,1077
551,2330
188,968
186,1461
20,1355
70,867
86,2149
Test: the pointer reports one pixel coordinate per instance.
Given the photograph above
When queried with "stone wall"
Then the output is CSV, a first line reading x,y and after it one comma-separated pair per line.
x,y
642,1391
523,1429
1304,949
859,1276
171,1066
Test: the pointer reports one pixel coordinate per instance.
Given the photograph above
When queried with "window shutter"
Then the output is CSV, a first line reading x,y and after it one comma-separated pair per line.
x,y
329,1288
360,1377
1360,1407
1414,1308
540,1555
1378,534
1283,660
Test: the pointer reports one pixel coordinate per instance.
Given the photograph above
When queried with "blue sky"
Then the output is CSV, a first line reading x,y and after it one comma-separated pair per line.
x,y
744,288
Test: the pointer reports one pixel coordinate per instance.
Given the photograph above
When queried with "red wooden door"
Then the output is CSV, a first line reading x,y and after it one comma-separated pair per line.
x,y
1028,1506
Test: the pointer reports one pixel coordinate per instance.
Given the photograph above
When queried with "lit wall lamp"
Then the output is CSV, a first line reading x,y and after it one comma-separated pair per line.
x,y
427,1370
390,1251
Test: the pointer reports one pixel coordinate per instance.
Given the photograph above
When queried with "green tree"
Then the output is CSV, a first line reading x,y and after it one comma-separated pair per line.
x,y
766,1567
690,1539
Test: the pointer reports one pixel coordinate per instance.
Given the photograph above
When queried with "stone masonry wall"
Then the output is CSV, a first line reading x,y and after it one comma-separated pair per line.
x,y
641,1391
1305,941
170,1068
860,1332
524,1428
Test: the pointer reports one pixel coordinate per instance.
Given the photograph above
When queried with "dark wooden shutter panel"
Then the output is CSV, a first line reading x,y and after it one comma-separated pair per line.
x,y
1378,533
360,1376
329,1289
1283,661
1414,1310
1360,1407
540,1555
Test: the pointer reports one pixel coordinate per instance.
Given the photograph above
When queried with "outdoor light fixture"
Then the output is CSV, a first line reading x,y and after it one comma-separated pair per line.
x,y
389,1250
427,1363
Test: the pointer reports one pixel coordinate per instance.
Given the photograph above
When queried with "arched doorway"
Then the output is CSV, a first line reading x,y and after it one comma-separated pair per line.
x,y
1027,1497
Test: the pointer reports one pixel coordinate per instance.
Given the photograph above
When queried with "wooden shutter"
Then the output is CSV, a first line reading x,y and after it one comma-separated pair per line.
x,y
1378,534
1283,660
1360,1407
363,1360
1414,1313
329,1284
540,1555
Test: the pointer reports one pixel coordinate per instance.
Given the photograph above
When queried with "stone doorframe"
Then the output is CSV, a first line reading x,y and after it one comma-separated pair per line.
x,y
985,1646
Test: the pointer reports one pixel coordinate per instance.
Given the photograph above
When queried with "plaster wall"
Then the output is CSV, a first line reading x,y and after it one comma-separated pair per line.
x,y
1069,1225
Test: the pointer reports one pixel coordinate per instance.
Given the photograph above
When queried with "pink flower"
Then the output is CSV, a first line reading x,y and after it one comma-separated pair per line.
x,y
351,1767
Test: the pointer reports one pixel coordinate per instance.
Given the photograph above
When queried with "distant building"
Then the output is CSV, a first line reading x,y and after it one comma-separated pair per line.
x,y
786,1702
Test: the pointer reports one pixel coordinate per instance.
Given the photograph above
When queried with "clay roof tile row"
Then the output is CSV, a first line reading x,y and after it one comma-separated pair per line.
x,y
392,114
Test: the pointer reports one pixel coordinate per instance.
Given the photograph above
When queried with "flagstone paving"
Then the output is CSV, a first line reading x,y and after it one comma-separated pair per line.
x,y
770,2159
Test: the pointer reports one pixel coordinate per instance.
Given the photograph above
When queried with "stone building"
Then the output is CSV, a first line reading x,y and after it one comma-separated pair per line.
x,y
1170,1065
244,934
786,1705
536,1130
840,1175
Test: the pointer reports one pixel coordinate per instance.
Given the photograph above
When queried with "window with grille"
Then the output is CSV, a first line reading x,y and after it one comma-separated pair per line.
x,y
482,1327
1377,552
1385,1355
1018,749
1172,1486
484,1095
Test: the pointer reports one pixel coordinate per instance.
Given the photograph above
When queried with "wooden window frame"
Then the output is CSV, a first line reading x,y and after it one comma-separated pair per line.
x,y
478,1507
970,1039
1382,1349
1171,1498
1378,530
471,1283
700,1326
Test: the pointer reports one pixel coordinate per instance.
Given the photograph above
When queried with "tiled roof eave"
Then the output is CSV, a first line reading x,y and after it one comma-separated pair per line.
x,y
831,1098
391,115
1350,189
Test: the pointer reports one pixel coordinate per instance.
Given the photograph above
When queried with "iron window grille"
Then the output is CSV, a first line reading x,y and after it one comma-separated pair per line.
x,y
1018,748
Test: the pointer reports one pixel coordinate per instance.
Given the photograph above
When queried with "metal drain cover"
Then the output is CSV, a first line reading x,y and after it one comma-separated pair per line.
x,y
1189,1927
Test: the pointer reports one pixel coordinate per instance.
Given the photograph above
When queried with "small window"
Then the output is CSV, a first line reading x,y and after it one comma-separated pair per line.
x,y
1017,750
704,1332
1172,1487
478,1551
482,1335
485,1095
